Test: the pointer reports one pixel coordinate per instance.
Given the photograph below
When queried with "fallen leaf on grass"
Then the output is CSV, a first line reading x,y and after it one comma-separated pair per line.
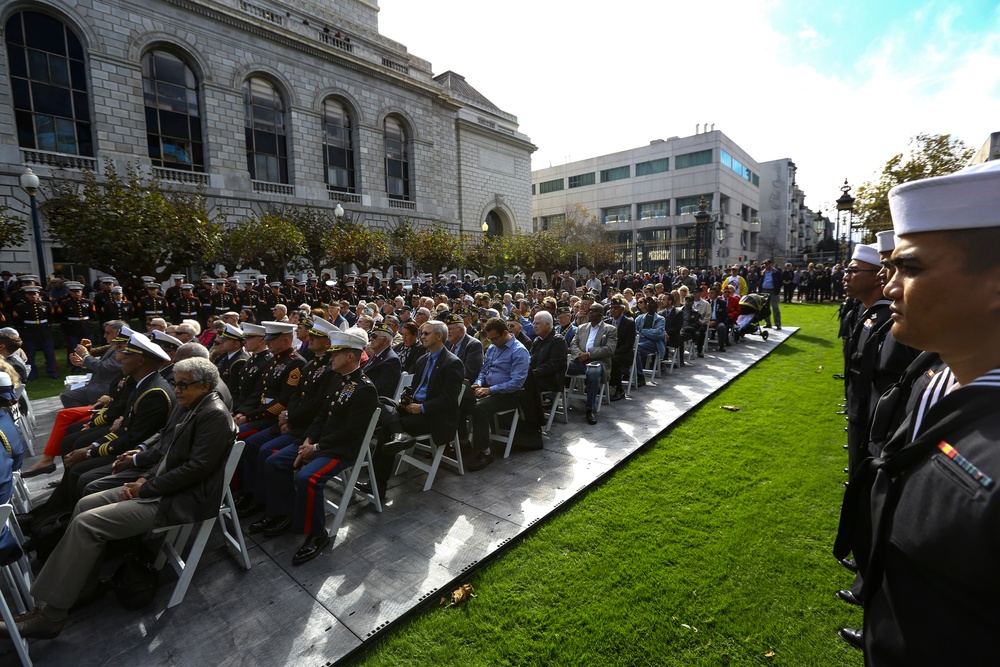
x,y
769,654
731,408
819,370
460,595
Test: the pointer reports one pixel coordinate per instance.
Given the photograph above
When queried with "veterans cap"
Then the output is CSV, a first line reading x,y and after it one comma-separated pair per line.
x,y
252,330
274,329
166,340
381,328
321,328
352,339
867,254
967,199
233,333
139,344
566,310
492,312
451,318
885,241
514,316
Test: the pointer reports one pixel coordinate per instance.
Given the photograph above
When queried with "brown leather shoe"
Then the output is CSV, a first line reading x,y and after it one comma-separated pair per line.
x,y
35,626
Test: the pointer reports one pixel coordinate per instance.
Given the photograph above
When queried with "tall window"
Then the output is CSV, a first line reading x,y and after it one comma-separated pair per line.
x,y
173,118
48,78
267,154
397,162
338,153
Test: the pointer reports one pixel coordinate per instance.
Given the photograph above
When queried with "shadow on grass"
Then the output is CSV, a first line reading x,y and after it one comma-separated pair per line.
x,y
815,340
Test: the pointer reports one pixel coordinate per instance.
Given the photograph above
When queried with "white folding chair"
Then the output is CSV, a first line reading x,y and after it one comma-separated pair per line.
x,y
24,428
425,443
21,498
633,376
506,437
177,537
560,404
229,521
578,389
348,479
18,574
405,380
20,643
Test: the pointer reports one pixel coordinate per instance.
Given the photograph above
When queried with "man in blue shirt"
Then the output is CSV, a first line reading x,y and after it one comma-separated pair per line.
x,y
770,283
498,386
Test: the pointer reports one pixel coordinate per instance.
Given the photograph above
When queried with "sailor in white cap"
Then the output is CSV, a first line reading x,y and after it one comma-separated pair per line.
x,y
310,398
928,504
281,377
230,363
333,442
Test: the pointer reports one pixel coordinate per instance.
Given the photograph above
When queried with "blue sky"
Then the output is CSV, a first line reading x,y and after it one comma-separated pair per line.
x,y
838,87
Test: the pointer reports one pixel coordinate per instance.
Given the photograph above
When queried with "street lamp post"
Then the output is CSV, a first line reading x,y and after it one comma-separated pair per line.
x,y
701,219
29,183
845,203
720,233
818,227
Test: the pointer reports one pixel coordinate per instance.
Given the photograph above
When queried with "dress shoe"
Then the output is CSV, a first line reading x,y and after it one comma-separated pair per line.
x,y
852,637
249,510
55,484
401,441
701,356
849,597
617,395
261,525
35,472
35,626
26,522
366,488
279,526
640,381
591,417
850,564
315,542
480,461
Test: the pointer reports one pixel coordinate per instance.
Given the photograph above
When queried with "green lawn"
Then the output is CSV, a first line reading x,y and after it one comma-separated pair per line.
x,y
712,547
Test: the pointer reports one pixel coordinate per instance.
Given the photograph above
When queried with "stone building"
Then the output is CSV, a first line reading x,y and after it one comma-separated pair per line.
x,y
290,102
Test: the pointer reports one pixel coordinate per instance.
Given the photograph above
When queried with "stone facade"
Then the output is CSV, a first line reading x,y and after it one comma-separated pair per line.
x,y
466,157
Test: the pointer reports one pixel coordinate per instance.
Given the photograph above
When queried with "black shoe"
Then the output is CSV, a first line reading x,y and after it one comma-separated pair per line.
x,y
591,417
617,395
26,522
315,542
249,509
763,334
279,526
480,461
366,488
701,356
848,597
44,470
400,441
852,637
850,564
640,381
261,525
55,484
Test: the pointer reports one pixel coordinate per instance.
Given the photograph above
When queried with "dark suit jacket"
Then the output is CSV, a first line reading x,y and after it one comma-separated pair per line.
x,y
626,339
674,320
189,480
147,411
384,370
548,362
470,352
440,415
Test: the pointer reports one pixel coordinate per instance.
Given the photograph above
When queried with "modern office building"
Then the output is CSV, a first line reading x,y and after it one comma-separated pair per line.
x,y
290,102
649,197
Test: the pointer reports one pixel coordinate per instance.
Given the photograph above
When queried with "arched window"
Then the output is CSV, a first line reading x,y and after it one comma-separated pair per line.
x,y
173,116
397,162
267,154
338,151
48,76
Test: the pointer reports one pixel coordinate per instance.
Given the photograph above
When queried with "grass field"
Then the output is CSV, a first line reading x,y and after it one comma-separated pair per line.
x,y
712,547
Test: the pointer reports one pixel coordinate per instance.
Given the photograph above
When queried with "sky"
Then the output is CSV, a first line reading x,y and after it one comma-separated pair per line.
x,y
837,87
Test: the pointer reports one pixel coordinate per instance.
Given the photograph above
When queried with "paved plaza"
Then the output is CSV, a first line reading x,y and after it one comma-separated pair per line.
x,y
382,566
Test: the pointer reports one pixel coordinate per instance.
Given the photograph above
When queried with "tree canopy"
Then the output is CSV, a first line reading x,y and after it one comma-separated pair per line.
x,y
928,155
12,228
265,243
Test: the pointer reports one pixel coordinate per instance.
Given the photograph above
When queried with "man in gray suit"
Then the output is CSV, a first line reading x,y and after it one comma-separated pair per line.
x,y
590,354
104,370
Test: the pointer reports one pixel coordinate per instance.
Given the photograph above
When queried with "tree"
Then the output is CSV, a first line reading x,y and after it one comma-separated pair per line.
x,y
353,243
132,225
316,226
265,243
435,248
928,155
12,228
580,234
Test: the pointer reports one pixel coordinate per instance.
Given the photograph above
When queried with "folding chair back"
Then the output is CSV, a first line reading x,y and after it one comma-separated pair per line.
x,y
20,643
405,380
348,478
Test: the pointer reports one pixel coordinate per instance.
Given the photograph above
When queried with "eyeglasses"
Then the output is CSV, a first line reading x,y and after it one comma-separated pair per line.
x,y
425,333
181,385
852,271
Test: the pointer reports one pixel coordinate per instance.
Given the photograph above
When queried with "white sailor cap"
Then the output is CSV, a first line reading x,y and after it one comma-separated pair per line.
x,y
140,344
233,333
274,284
867,254
321,328
885,241
352,339
274,329
967,199
166,340
252,330
185,286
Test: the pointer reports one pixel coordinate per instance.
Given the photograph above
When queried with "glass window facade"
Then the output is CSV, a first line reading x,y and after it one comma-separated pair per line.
x,y
690,204
397,162
652,167
617,214
615,174
654,209
48,78
550,186
338,148
693,159
581,180
267,152
741,169
173,116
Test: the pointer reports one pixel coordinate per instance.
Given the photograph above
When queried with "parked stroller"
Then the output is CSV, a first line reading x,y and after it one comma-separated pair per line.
x,y
754,308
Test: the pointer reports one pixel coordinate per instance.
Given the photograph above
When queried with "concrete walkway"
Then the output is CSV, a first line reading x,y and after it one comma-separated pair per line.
x,y
383,565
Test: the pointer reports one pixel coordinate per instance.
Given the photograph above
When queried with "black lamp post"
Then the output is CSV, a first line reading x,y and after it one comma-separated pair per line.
x,y
845,203
701,239
29,183
819,226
